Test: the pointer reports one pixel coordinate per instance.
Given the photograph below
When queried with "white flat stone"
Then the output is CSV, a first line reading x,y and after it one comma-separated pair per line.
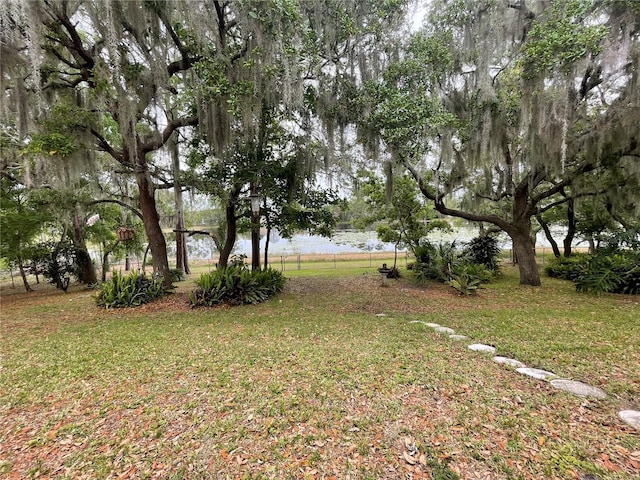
x,y
432,325
578,388
481,347
455,336
536,373
509,361
446,330
631,418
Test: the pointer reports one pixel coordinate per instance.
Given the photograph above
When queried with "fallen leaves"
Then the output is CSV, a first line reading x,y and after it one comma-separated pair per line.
x,y
331,393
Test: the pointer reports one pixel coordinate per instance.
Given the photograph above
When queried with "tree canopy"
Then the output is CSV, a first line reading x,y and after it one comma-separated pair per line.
x,y
501,112
506,106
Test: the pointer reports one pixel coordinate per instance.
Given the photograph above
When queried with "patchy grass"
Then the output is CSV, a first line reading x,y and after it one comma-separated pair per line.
x,y
329,380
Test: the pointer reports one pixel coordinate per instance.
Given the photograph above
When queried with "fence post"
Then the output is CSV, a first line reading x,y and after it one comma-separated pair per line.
x,y
299,266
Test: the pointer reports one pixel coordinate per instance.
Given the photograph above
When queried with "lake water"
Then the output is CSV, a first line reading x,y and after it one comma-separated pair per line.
x,y
342,242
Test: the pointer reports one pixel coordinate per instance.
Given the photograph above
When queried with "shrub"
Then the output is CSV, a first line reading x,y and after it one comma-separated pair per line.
x,y
606,271
483,250
177,275
434,262
465,271
236,285
57,261
568,268
611,273
475,270
467,277
238,261
129,290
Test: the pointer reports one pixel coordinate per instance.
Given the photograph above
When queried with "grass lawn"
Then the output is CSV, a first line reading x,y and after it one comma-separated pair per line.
x,y
330,380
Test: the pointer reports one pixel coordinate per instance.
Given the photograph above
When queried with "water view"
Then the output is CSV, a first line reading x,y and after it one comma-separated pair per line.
x,y
344,241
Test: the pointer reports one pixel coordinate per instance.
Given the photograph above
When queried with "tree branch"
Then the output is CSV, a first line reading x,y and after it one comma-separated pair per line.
x,y
136,212
105,146
565,182
442,208
191,233
173,125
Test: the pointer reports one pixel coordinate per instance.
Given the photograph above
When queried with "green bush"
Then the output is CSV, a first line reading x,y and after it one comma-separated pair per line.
x,y
568,268
483,250
236,285
177,275
611,273
433,262
606,271
58,262
129,290
474,270
467,277
465,271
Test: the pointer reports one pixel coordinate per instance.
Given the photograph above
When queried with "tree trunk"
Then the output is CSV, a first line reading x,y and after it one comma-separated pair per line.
x,y
87,269
23,274
105,265
395,257
151,221
144,258
526,255
105,259
255,241
182,261
547,233
571,230
266,247
232,229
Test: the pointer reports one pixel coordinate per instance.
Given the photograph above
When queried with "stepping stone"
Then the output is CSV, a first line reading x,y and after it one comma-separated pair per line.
x,y
578,388
381,314
432,325
536,373
455,336
481,347
447,330
631,418
509,361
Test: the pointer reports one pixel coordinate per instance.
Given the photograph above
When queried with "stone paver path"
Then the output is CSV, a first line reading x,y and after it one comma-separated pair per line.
x,y
455,336
481,347
509,361
447,330
536,373
630,417
578,388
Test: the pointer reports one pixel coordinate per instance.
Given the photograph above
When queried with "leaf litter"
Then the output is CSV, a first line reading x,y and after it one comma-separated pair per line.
x,y
332,392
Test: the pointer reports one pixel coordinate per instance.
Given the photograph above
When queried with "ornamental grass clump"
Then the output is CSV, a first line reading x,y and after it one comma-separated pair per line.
x,y
236,285
130,290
